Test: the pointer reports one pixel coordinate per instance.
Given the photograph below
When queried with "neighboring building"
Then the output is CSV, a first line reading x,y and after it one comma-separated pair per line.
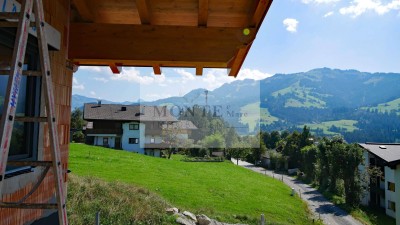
x,y
133,128
384,192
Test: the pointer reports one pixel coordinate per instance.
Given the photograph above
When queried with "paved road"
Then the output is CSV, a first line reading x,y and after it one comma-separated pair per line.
x,y
320,206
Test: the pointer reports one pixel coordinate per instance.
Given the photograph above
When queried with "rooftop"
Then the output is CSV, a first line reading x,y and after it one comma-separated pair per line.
x,y
389,152
119,112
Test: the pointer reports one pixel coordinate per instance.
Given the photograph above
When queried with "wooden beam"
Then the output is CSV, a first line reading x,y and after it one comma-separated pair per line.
x,y
84,11
157,69
199,70
203,12
154,43
144,11
147,63
116,68
258,12
236,63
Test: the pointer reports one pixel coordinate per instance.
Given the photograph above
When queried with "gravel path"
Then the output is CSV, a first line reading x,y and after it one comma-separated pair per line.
x,y
317,203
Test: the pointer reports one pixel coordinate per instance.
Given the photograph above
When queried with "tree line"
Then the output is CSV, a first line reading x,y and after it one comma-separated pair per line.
x,y
331,164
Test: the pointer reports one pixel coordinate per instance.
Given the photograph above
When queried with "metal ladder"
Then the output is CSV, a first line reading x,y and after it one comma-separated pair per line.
x,y
24,18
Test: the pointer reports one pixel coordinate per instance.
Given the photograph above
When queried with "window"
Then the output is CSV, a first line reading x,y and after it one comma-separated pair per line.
x,y
134,126
25,136
105,141
392,206
133,140
152,140
391,186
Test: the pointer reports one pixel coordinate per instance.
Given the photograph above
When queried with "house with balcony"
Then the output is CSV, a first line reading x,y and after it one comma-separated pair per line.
x,y
384,191
135,128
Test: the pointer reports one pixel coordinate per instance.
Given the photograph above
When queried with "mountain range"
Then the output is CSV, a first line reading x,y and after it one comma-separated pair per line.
x,y
358,105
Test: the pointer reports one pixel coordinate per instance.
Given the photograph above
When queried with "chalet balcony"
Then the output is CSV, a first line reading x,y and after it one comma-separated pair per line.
x,y
156,145
153,131
104,131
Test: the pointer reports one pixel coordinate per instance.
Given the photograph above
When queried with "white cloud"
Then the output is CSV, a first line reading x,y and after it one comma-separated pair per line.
x,y
328,14
359,7
217,77
77,85
319,1
133,75
185,74
252,74
291,24
101,79
93,93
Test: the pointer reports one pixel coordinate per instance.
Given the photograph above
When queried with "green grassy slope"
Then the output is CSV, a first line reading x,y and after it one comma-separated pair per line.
x,y
386,107
349,125
254,114
221,190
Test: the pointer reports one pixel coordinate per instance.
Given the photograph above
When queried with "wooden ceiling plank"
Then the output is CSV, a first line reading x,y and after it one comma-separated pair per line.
x,y
144,11
155,43
203,12
83,9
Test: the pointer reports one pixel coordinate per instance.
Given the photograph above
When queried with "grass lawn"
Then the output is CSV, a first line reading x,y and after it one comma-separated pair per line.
x,y
220,190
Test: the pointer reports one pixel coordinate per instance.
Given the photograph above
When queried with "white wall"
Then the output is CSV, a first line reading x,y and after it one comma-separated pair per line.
x,y
397,197
126,134
390,195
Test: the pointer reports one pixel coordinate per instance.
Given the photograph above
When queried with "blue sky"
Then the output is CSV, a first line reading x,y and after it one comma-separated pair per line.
x,y
296,36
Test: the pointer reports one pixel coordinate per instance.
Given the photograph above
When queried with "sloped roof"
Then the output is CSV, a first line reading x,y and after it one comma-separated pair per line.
x,y
388,152
127,113
182,124
165,33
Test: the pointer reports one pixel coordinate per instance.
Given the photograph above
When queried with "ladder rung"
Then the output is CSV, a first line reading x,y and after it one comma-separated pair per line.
x,y
31,119
29,163
24,72
28,205
13,24
9,15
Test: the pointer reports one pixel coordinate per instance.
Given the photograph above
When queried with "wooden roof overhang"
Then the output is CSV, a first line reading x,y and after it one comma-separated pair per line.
x,y
165,33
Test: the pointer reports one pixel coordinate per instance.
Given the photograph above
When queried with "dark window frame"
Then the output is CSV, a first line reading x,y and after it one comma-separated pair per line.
x,y
133,141
105,141
32,100
392,205
133,126
391,186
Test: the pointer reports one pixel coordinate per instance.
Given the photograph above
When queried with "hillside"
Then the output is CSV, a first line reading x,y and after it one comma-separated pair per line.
x,y
200,187
319,96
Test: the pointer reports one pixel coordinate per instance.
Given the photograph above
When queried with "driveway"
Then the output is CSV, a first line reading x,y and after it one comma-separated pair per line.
x,y
317,203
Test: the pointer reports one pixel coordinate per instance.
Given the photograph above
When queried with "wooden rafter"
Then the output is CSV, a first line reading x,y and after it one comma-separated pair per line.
x,y
258,12
157,69
144,11
84,11
116,68
203,12
199,70
236,63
